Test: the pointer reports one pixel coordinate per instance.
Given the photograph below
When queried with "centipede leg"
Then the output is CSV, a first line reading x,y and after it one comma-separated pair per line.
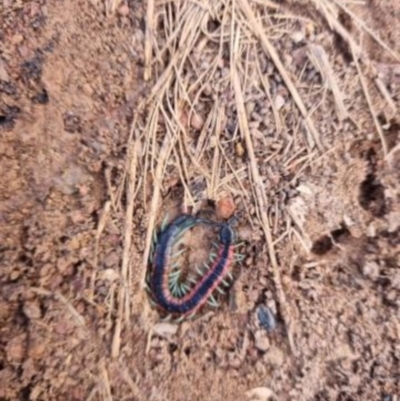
x,y
181,319
164,222
212,302
220,290
225,283
177,254
166,318
199,271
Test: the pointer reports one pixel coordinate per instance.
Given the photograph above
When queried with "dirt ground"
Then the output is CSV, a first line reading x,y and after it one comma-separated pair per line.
x,y
71,80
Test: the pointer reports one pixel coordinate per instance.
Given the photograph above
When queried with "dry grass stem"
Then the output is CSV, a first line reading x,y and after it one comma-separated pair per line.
x,y
59,297
124,290
320,60
148,48
262,202
104,216
371,107
271,51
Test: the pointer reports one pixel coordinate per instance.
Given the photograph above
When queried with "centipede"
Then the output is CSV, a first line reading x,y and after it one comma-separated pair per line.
x,y
182,299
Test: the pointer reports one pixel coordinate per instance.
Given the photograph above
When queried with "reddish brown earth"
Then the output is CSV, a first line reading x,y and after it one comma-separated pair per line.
x,y
70,81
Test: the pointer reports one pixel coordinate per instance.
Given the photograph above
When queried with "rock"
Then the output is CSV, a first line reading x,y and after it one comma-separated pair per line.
x,y
225,207
371,270
261,340
15,349
123,10
165,329
239,149
266,318
274,357
196,121
32,310
112,260
3,72
279,102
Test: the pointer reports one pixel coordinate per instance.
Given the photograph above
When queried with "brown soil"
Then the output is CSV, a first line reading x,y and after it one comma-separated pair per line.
x,y
70,82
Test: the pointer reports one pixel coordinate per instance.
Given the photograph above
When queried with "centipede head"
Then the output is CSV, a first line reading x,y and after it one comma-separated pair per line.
x,y
226,235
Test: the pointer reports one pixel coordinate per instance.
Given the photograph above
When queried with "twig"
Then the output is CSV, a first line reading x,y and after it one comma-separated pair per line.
x,y
100,228
124,289
148,39
262,204
371,107
319,58
59,297
269,48
367,29
164,153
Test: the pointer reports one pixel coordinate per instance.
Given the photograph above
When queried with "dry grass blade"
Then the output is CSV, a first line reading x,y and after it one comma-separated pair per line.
x,y
336,25
370,105
262,203
124,289
320,60
269,48
105,214
148,48
59,297
111,6
163,156
367,29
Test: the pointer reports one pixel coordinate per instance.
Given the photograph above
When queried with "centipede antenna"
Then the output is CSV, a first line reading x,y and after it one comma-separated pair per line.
x,y
215,244
212,302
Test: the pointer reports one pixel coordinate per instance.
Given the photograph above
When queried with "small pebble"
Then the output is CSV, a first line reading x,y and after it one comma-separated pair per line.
x,y
239,149
123,10
371,270
266,318
197,122
32,310
225,207
261,341
165,329
279,102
